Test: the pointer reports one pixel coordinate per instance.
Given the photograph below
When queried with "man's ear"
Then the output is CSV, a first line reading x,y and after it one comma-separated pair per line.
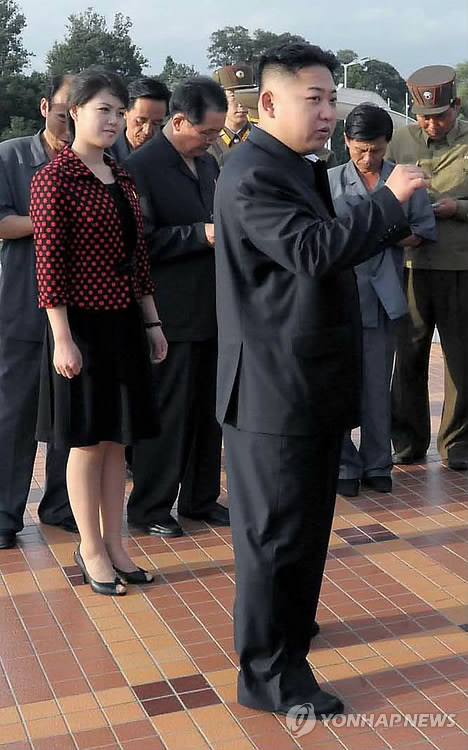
x,y
267,103
177,121
44,107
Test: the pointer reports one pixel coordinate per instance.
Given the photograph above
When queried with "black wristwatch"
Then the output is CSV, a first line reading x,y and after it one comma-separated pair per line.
x,y
154,324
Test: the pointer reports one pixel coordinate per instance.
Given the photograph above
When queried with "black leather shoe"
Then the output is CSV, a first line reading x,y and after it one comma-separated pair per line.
x,y
379,484
169,528
7,539
315,630
407,459
348,487
68,524
457,464
324,705
218,516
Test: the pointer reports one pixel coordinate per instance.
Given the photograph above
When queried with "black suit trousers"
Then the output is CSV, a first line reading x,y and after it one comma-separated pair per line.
x,y
20,363
187,452
281,498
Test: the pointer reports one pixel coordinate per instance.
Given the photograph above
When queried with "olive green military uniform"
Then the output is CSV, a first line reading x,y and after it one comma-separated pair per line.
x,y
227,141
235,78
436,277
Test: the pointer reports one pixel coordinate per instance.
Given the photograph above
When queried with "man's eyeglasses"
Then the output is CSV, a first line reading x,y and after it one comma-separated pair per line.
x,y
207,134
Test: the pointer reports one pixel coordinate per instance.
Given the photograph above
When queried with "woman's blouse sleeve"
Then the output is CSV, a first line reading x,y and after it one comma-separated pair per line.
x,y
49,219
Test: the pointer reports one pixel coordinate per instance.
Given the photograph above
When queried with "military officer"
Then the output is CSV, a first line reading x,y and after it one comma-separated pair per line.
x,y
233,79
436,275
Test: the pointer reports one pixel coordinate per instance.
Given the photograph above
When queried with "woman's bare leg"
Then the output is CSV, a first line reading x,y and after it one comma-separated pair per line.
x,y
84,478
112,502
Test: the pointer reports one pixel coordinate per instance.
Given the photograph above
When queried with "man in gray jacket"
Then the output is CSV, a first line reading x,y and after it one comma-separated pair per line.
x,y
22,327
382,300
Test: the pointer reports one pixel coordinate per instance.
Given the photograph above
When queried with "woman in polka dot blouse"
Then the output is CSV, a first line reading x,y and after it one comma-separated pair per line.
x,y
93,277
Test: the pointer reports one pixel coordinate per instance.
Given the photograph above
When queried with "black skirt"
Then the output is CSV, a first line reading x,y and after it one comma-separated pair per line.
x,y
112,399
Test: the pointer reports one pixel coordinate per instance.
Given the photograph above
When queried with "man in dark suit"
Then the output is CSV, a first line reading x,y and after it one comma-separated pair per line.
x,y
288,371
148,104
176,180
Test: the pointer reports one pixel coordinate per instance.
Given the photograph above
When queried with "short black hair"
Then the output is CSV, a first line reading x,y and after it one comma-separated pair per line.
x,y
291,57
195,96
148,88
367,122
85,85
54,84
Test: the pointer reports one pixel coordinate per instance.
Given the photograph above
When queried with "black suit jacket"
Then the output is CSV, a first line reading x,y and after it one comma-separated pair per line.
x,y
176,205
288,308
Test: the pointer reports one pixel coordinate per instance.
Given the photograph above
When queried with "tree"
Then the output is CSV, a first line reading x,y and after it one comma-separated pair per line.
x,y
462,86
20,96
229,45
13,56
18,127
374,75
346,55
174,73
90,42
234,44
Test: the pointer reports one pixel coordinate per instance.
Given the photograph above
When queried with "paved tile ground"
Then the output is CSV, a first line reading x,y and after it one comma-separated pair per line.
x,y
156,670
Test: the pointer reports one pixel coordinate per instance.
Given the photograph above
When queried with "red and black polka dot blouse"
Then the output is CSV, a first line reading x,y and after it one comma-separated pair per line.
x,y
80,245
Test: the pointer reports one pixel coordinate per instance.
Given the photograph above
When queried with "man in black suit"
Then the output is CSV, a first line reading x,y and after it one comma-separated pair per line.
x,y
148,105
288,371
176,180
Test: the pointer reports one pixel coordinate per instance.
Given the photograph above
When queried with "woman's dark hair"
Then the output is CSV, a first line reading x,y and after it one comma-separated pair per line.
x,y
195,96
291,57
367,122
85,85
54,84
148,88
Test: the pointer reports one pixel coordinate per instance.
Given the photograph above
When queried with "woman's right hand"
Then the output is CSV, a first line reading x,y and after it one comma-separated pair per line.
x,y
67,358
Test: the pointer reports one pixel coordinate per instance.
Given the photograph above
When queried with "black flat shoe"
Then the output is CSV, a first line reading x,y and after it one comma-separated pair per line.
x,y
68,524
315,629
407,459
348,487
457,464
135,576
106,588
324,705
379,484
218,516
169,528
7,539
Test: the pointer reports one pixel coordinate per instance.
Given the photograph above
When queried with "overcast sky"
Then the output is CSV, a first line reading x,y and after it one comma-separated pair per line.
x,y
405,33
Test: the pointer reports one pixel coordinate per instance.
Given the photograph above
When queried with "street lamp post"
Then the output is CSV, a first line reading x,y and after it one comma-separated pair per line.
x,y
357,61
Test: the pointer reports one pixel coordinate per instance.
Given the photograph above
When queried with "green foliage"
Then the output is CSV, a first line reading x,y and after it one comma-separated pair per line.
x,y
382,78
234,44
20,96
346,55
13,56
18,127
90,42
174,73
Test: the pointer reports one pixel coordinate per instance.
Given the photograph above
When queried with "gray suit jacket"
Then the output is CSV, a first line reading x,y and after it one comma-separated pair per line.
x,y
20,317
379,279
